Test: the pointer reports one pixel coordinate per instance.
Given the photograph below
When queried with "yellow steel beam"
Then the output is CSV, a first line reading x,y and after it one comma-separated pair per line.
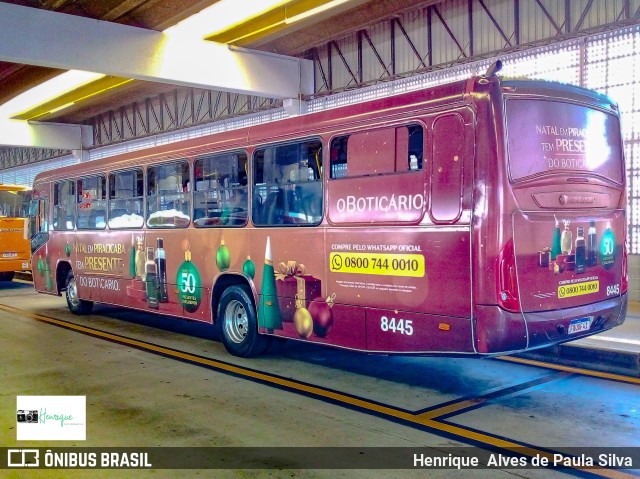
x,y
74,96
269,23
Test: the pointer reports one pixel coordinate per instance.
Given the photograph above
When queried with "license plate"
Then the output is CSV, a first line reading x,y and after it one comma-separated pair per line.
x,y
9,255
580,325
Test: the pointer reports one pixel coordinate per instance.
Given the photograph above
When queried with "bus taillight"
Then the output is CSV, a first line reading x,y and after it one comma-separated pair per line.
x,y
508,283
624,281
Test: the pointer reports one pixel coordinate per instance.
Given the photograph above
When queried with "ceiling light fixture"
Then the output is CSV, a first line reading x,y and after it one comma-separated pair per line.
x,y
314,11
39,94
221,16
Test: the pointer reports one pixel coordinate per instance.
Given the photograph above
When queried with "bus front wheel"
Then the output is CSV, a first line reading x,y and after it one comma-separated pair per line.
x,y
238,323
75,304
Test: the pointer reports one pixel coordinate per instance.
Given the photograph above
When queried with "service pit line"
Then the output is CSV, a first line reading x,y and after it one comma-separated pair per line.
x,y
427,421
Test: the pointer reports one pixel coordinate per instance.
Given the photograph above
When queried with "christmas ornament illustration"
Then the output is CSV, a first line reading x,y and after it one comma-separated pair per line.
x,y
269,316
249,268
322,315
223,258
303,322
67,250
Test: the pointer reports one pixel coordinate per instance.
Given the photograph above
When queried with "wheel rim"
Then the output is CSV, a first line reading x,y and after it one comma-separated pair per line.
x,y
72,293
236,322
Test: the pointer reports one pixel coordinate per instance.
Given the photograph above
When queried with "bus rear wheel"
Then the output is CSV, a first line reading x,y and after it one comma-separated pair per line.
x,y
75,304
238,323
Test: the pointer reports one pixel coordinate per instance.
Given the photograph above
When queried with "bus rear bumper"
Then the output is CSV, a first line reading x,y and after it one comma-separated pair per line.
x,y
15,264
500,331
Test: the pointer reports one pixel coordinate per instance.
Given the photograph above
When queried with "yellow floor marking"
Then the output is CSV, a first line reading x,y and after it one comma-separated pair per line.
x,y
571,369
451,408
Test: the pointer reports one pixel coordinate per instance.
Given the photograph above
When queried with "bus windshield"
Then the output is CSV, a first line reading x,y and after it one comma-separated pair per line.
x,y
557,137
14,204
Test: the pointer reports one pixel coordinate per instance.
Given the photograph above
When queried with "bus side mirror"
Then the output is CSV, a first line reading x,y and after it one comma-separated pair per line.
x,y
32,218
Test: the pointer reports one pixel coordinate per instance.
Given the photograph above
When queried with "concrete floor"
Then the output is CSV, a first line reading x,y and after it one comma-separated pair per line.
x,y
139,398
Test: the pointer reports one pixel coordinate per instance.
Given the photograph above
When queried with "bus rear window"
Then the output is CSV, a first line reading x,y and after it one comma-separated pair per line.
x,y
547,137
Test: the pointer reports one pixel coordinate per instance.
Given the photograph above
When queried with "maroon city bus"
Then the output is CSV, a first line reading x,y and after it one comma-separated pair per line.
x,y
480,217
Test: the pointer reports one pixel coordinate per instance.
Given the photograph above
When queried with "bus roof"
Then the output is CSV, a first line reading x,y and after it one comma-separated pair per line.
x,y
571,91
324,122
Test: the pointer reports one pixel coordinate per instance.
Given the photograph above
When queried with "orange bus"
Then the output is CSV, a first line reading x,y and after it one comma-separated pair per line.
x,y
480,217
15,253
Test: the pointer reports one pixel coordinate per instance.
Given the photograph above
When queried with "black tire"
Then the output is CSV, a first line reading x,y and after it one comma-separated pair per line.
x,y
7,276
75,304
238,323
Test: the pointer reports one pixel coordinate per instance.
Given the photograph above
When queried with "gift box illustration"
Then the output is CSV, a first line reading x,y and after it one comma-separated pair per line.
x,y
295,288
137,289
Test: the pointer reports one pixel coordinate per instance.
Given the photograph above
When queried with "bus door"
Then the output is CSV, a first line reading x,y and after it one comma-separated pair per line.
x,y
569,226
39,236
38,222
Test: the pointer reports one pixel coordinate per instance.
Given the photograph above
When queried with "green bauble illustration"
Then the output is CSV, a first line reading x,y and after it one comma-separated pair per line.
x,y
223,258
249,268
67,250
41,266
189,284
48,279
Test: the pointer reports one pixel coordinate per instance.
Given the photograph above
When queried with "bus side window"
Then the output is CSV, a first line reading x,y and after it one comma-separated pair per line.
x,y
168,201
221,192
126,195
376,152
377,176
446,168
287,184
415,148
64,205
92,204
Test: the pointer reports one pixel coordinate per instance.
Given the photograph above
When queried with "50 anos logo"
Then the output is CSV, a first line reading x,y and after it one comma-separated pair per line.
x,y
189,286
608,249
